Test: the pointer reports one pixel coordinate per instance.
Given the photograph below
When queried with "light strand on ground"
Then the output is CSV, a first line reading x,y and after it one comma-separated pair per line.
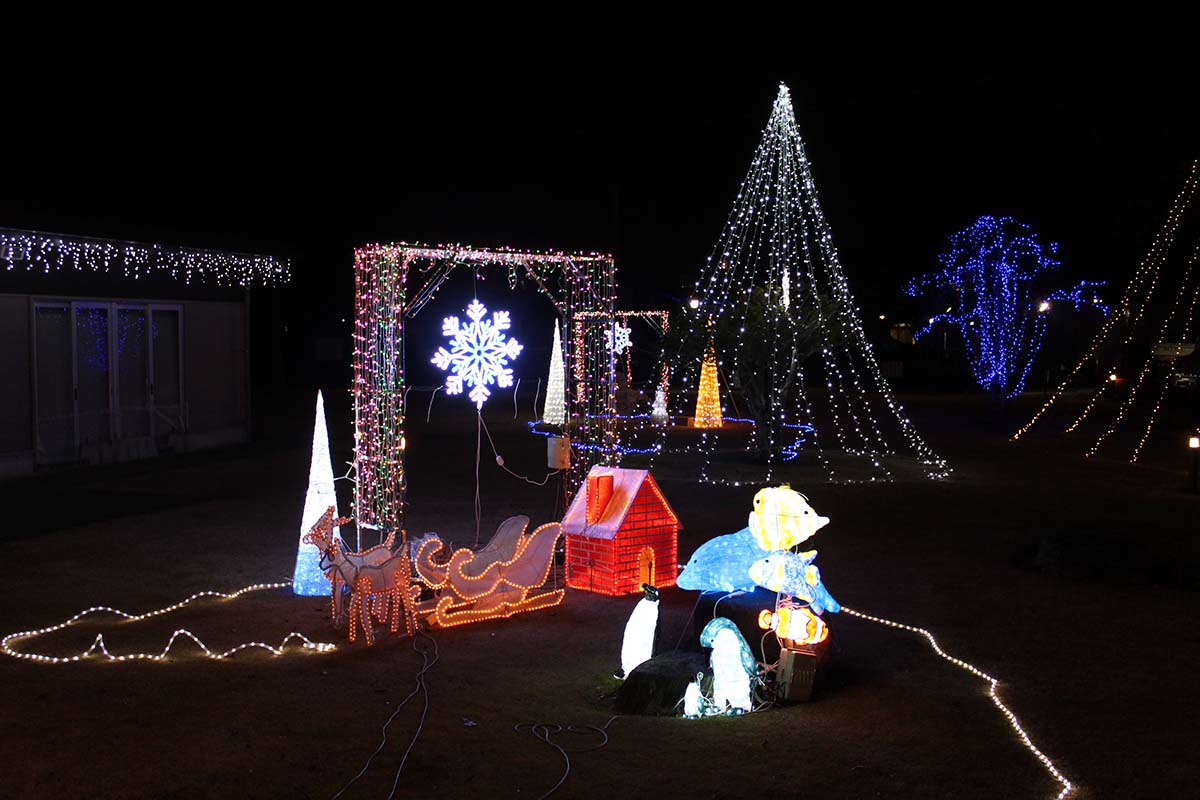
x,y
995,697
98,647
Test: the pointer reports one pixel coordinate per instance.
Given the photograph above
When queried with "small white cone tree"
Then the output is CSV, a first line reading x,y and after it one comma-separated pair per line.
x,y
308,579
555,410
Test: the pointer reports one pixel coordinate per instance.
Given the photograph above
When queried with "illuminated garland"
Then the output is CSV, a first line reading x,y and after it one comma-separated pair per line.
x,y
1126,324
51,252
993,683
574,283
777,236
99,648
991,270
612,324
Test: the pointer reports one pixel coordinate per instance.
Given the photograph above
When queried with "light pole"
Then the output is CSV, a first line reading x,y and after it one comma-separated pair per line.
x,y
1194,449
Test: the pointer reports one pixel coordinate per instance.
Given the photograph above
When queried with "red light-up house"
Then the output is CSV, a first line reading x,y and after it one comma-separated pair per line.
x,y
620,533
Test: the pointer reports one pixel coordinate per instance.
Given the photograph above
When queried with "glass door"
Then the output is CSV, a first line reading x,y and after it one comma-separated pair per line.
x,y
54,383
166,373
133,372
93,392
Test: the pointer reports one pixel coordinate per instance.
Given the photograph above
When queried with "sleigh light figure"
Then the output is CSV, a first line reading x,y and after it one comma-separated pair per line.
x,y
506,577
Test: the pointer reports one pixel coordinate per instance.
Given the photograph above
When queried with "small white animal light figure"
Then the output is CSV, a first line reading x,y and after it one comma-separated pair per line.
x,y
638,644
733,666
693,699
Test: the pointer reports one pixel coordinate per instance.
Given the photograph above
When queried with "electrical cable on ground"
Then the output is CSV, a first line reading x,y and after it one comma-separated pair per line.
x,y
421,686
544,730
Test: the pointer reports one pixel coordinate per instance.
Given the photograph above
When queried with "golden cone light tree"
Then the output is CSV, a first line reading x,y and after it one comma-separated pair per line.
x,y
708,398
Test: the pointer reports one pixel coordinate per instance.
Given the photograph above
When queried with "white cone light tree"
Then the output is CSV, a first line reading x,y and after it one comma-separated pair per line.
x,y
308,579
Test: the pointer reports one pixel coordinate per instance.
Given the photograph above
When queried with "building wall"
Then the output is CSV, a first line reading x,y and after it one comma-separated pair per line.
x,y
16,404
215,380
215,374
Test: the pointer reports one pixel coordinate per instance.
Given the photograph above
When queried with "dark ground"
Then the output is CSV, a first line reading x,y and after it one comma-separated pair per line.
x,y
1074,582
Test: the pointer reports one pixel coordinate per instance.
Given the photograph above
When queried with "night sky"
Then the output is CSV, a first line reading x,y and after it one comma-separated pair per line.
x,y
302,133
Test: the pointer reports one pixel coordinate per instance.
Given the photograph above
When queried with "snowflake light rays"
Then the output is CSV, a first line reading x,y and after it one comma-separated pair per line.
x,y
479,353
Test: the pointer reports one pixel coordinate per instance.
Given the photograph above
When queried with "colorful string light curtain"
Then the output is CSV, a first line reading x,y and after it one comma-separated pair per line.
x,y
384,276
1140,347
776,307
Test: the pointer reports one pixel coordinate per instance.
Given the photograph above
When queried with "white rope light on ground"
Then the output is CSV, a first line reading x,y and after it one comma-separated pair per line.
x,y
99,648
993,682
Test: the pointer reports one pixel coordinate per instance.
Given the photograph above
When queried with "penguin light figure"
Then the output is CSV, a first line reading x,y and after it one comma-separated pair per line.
x,y
733,666
693,699
638,644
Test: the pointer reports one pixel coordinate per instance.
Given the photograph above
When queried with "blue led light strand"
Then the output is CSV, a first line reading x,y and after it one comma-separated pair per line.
x,y
993,272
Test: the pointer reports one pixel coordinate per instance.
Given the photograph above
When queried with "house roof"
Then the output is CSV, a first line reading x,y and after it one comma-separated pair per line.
x,y
626,484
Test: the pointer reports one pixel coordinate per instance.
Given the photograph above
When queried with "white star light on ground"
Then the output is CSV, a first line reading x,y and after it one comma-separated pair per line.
x,y
479,353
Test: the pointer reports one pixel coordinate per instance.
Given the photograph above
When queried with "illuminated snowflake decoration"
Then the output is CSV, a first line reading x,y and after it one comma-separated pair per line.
x,y
479,353
624,342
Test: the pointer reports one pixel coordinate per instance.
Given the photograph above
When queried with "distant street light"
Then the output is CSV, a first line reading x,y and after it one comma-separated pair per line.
x,y
1194,447
694,303
1044,307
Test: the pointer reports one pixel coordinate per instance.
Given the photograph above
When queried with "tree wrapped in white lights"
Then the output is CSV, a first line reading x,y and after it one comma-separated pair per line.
x,y
1141,345
773,302
555,409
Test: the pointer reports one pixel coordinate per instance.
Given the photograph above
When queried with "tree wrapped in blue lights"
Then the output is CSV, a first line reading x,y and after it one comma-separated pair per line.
x,y
993,278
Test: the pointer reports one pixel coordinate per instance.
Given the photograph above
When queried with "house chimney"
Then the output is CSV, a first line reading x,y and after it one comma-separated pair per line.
x,y
598,492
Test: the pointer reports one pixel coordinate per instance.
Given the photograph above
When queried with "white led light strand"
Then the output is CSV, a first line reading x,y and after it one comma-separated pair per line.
x,y
1127,404
775,268
1145,278
992,693
98,647
53,252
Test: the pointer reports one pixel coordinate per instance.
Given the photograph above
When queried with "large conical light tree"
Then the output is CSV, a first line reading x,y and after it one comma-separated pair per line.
x,y
1142,347
555,410
308,579
774,303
